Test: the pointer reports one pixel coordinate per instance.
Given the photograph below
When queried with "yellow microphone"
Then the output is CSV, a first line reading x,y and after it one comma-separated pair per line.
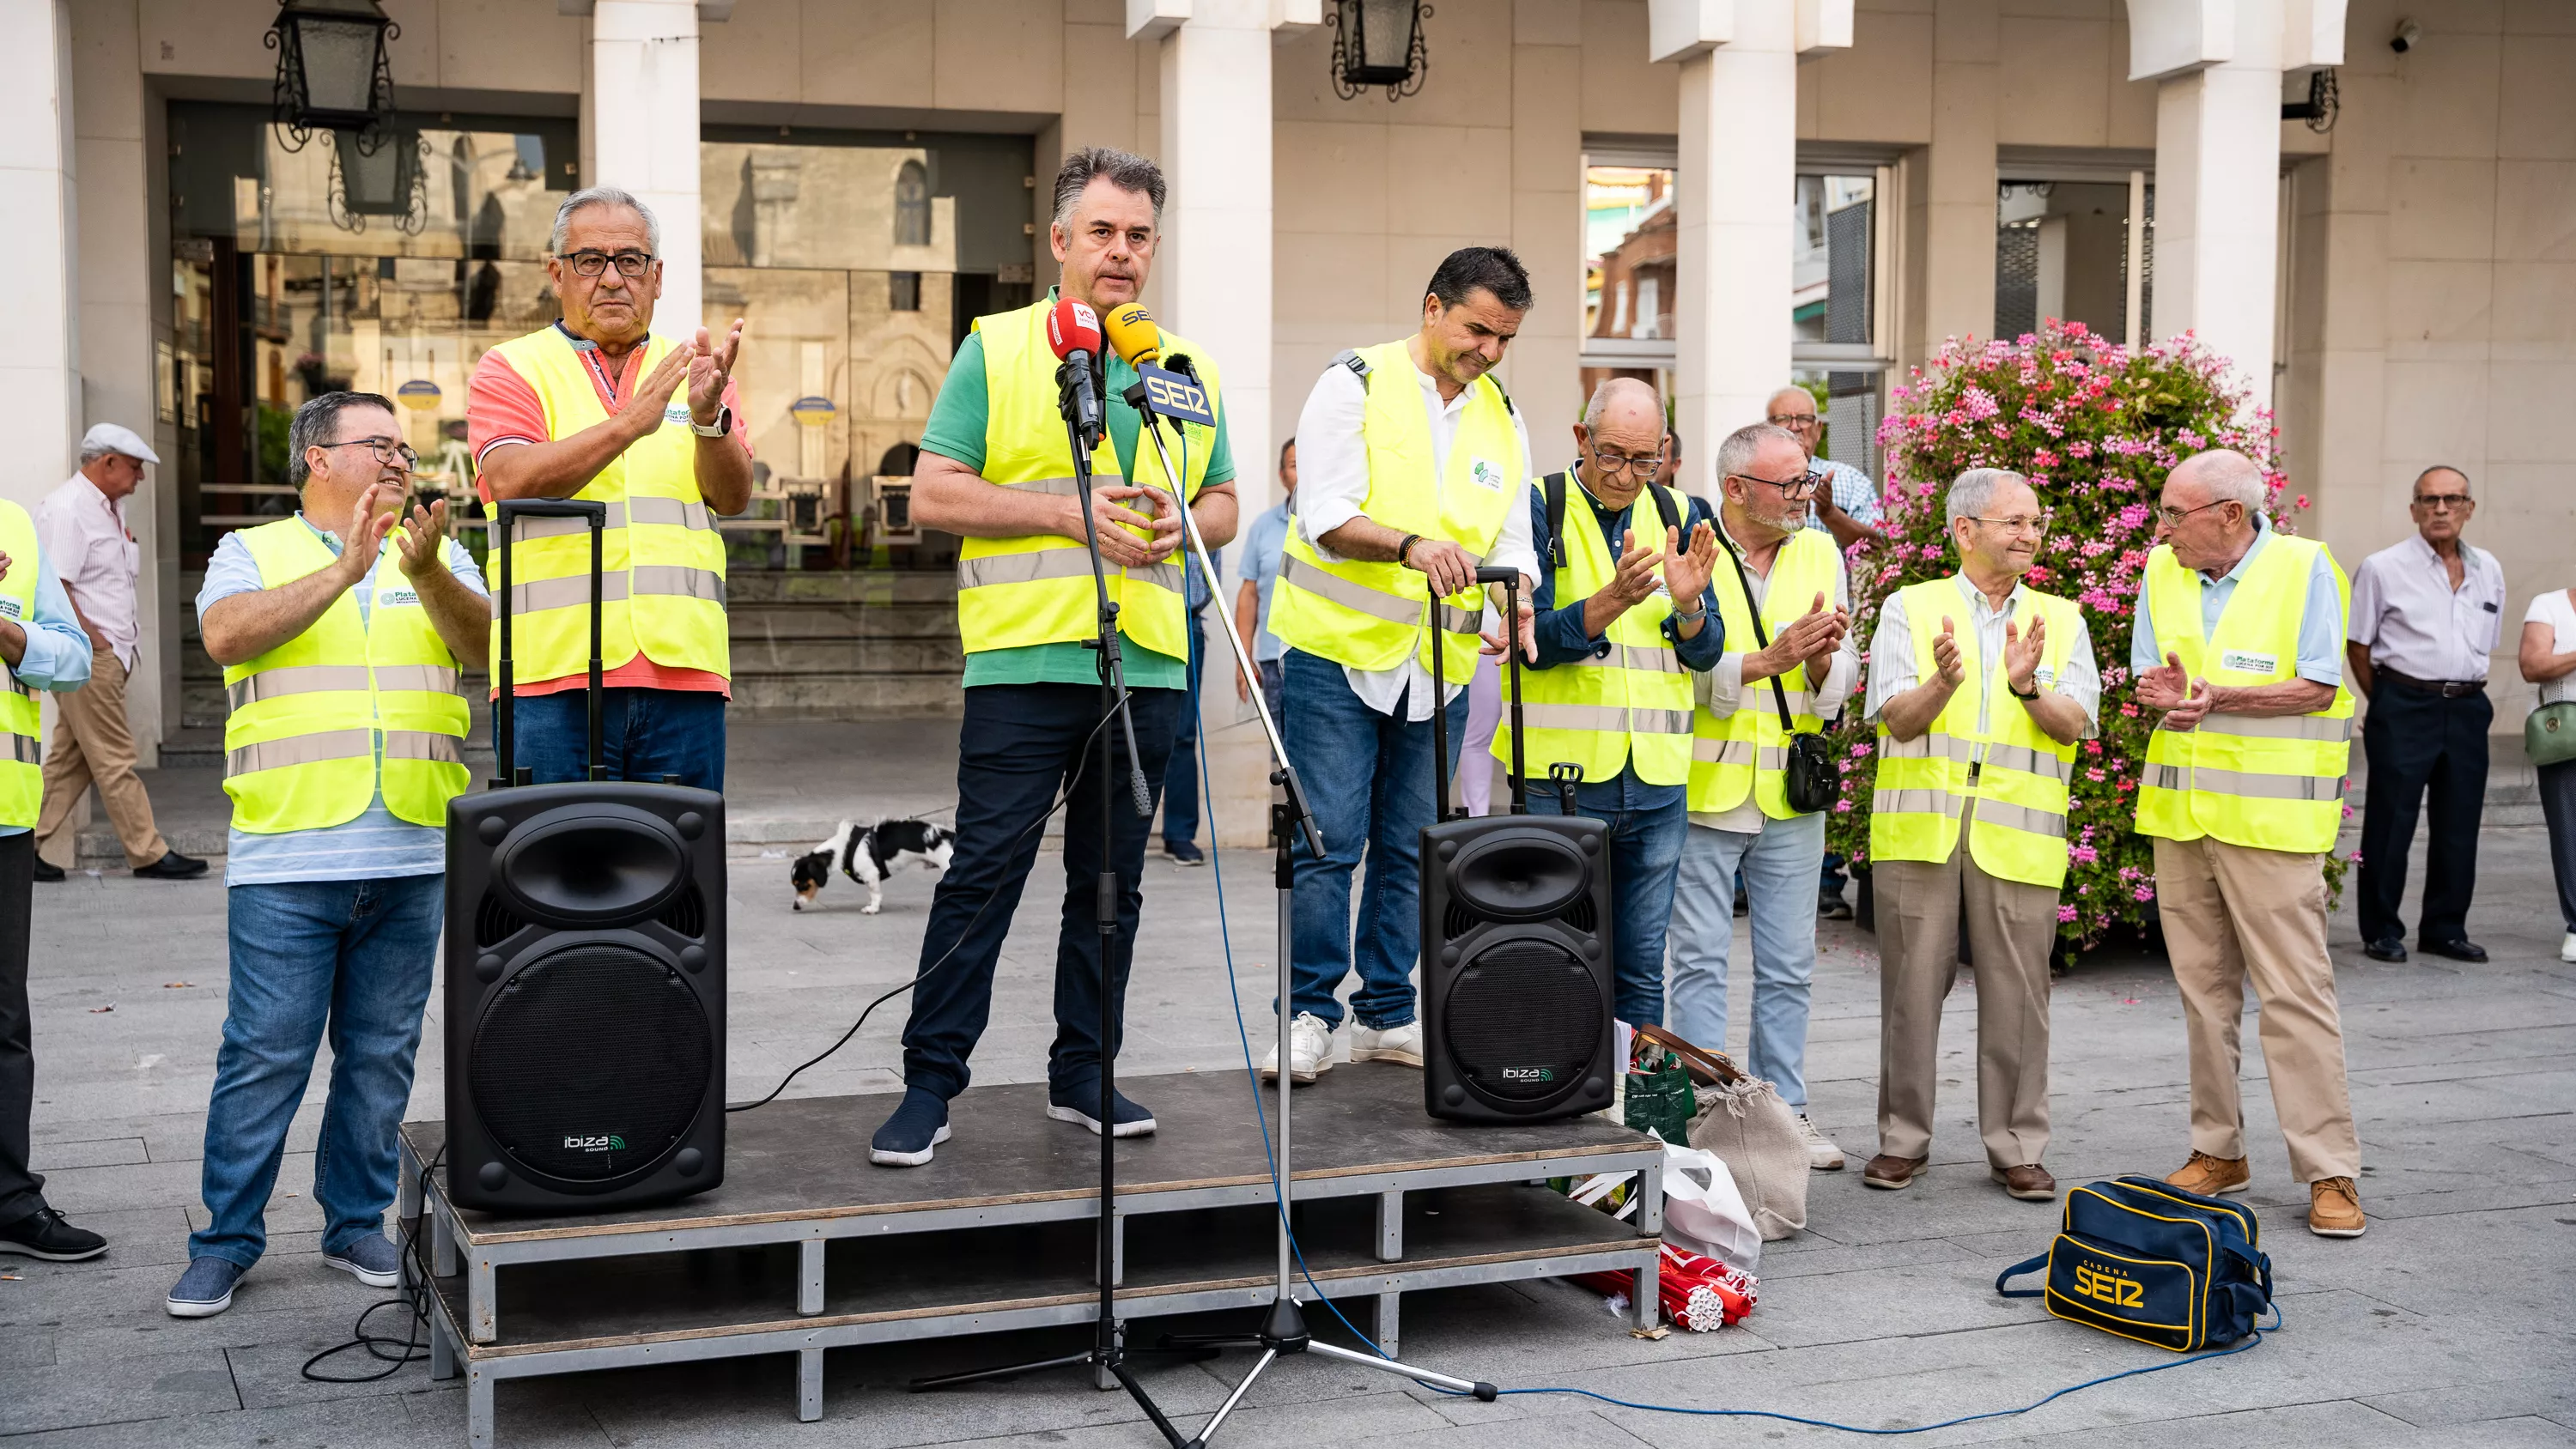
x,y
1132,334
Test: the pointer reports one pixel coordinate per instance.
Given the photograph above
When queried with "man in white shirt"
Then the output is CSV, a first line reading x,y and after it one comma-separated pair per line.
x,y
94,554
1414,471
2425,614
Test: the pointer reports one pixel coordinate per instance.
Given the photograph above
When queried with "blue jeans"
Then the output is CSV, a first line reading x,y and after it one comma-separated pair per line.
x,y
1368,777
1781,866
1645,849
644,734
355,955
1181,777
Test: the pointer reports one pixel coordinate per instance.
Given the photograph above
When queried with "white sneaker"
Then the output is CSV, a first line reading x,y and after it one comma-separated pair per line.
x,y
1401,1044
1822,1154
2567,948
1310,1050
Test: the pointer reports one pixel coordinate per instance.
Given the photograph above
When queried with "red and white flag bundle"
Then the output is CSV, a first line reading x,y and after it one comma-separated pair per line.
x,y
1700,1294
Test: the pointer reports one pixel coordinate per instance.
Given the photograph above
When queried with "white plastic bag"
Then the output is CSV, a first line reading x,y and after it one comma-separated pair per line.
x,y
1703,1211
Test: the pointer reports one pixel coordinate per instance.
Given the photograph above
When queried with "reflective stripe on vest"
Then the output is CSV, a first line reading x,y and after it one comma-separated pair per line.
x,y
1805,566
662,559
2019,794
1629,708
2268,783
1379,615
22,774
300,744
1036,589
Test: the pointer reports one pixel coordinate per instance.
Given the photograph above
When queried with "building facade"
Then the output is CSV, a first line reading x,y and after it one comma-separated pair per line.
x,y
1721,195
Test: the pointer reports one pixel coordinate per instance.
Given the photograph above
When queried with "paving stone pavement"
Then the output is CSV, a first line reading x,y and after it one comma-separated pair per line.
x,y
2447,1324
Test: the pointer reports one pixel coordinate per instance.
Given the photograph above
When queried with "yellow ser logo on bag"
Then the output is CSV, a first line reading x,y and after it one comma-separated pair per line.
x,y
2102,1285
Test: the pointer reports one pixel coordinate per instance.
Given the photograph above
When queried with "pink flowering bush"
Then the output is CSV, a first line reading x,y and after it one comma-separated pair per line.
x,y
2095,427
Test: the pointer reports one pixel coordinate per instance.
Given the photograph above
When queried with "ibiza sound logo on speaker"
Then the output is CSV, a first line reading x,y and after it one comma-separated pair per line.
x,y
1529,1074
610,1143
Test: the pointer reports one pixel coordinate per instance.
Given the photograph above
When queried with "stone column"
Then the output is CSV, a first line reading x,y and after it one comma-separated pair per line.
x,y
39,249
640,132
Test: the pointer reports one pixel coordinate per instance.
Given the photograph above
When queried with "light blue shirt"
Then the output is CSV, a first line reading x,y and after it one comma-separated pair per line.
x,y
2321,621
1854,494
377,844
57,656
1262,550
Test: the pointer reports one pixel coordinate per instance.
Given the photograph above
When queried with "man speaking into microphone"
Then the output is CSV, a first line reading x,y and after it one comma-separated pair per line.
x,y
997,468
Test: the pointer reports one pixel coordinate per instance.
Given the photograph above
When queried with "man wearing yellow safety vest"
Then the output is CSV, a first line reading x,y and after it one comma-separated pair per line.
x,y
342,630
1794,585
1413,469
2239,644
593,407
1981,687
996,468
1624,618
47,647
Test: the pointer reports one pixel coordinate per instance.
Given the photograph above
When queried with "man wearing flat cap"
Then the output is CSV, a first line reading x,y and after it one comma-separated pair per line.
x,y
94,555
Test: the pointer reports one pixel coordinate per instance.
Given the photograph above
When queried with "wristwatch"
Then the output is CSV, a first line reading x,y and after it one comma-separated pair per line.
x,y
717,429
2017,694
1404,550
1692,617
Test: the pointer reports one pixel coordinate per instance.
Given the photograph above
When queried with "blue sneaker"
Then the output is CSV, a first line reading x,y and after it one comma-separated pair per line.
x,y
206,1289
1077,1102
1184,852
372,1260
916,1127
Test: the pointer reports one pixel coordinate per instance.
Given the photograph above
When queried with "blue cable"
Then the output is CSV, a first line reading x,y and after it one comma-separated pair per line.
x,y
1279,1199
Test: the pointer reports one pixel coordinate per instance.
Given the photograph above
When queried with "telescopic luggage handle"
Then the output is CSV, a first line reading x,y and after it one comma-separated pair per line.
x,y
505,524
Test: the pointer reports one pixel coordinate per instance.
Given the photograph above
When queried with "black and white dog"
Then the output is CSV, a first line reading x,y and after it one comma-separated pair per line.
x,y
868,854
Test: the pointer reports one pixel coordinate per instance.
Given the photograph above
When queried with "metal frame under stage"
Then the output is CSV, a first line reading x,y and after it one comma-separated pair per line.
x,y
1387,1201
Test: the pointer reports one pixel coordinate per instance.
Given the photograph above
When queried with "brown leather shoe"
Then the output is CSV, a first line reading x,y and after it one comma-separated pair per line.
x,y
2209,1176
2030,1182
2334,1208
1892,1172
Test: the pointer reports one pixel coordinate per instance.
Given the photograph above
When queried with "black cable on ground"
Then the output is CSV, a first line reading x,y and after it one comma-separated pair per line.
x,y
415,1295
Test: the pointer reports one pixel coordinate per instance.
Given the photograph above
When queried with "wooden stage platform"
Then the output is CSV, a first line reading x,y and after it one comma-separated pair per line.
x,y
807,1246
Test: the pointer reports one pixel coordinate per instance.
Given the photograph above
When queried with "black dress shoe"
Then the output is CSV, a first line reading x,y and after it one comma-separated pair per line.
x,y
46,870
2387,948
172,866
44,1234
2461,950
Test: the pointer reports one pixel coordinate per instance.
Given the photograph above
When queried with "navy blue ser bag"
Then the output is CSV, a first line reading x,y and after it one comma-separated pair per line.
x,y
2145,1260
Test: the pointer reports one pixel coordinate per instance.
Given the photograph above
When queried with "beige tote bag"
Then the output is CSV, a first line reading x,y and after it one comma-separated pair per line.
x,y
1752,1131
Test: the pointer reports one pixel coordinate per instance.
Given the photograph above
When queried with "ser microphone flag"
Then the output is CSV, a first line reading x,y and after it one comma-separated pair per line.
x,y
1134,336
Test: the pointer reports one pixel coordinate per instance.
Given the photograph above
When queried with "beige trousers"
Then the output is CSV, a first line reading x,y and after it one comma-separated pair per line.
x,y
93,743
2234,911
1922,908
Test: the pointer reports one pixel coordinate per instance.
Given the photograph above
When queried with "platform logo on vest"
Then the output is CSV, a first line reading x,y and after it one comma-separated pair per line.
x,y
1486,474
11,609
2250,663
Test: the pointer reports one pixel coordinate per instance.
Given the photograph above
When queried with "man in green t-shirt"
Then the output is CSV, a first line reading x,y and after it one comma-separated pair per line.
x,y
1032,710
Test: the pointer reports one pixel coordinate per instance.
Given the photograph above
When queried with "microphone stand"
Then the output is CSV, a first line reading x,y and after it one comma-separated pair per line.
x,y
1283,1326
1107,1355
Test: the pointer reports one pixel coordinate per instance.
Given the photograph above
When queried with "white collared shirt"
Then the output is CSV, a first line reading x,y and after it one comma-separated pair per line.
x,y
1333,481
95,556
2406,613
1721,690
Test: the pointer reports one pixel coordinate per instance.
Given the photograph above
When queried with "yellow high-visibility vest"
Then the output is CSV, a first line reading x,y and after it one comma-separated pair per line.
x,y
1371,616
22,772
1037,589
2018,797
2273,783
1745,752
662,582
1631,705
300,743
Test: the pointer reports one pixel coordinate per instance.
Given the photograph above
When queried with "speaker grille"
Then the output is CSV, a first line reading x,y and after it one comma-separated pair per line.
x,y
1523,1018
591,1062
494,922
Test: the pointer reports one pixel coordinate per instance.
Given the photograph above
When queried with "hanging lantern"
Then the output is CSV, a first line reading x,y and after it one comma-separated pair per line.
x,y
332,72
386,179
1378,43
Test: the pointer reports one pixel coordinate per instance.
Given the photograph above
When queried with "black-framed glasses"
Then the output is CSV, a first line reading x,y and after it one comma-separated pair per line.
x,y
2034,524
2176,517
1795,489
1617,463
387,450
2443,500
592,263
1792,420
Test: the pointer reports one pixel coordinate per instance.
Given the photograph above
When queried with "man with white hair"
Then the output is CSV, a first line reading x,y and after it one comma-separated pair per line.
x,y
2239,647
1967,826
592,407
93,554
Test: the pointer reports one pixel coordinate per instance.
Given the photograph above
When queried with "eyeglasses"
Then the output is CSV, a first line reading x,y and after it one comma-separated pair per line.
x,y
387,450
2438,501
592,264
2034,525
2175,517
1793,420
1614,463
1794,489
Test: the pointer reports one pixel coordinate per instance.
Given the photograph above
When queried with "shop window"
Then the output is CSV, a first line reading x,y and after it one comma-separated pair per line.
x,y
2065,247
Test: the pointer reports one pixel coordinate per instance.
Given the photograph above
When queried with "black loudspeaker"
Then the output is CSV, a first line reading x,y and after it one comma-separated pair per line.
x,y
585,996
1516,969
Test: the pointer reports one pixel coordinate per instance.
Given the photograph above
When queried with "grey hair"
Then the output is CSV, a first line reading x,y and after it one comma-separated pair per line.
x,y
2459,473
2230,477
1975,489
590,196
1745,444
1610,387
315,423
91,453
1126,170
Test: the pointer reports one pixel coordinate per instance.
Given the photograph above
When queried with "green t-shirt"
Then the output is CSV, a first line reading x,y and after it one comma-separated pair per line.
x,y
956,430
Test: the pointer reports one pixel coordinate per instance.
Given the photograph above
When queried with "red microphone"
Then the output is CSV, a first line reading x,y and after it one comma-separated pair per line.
x,y
1073,327
1073,330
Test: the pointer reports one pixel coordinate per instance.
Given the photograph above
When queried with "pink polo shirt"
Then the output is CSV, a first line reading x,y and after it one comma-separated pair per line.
x,y
95,556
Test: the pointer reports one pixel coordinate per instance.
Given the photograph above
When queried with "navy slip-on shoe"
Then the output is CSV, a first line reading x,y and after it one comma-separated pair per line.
x,y
372,1260
206,1289
917,1126
1079,1102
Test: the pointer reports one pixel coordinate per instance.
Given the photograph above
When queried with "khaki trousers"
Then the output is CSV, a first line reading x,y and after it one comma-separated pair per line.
x,y
2234,911
2010,927
93,744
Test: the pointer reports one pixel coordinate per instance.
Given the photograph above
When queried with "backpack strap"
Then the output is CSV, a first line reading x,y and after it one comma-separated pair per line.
x,y
1554,485
2026,1265
1508,408
1665,506
1349,357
